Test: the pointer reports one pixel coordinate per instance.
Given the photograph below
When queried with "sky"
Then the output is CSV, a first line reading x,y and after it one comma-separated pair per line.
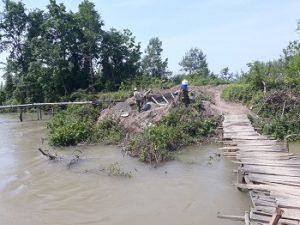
x,y
231,33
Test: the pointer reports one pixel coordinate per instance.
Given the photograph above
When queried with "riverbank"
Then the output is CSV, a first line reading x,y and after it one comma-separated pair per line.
x,y
151,135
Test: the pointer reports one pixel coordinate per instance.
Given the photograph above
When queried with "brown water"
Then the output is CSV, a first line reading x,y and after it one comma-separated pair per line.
x,y
35,191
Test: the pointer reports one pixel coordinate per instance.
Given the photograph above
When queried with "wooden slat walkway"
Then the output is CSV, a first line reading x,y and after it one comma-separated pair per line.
x,y
266,169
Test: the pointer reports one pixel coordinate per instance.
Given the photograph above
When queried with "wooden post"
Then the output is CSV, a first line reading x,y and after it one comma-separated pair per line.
x,y
286,144
40,112
37,113
52,111
276,216
247,218
220,132
21,115
240,177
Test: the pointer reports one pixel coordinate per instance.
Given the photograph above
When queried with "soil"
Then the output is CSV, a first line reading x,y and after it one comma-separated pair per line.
x,y
219,105
135,121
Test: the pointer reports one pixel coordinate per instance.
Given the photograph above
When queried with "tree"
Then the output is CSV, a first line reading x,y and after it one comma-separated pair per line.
x,y
194,61
120,57
225,74
12,35
152,63
90,38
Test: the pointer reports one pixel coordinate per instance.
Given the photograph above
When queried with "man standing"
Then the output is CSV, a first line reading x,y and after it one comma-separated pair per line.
x,y
185,92
138,99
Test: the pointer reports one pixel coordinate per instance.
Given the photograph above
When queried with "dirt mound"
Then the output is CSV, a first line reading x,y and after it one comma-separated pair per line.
x,y
159,103
162,101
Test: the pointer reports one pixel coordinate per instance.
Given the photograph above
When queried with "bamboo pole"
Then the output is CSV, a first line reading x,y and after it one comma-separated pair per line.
x,y
59,103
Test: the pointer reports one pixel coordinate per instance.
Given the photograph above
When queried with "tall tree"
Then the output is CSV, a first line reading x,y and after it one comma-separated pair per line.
x,y
120,57
12,35
90,38
194,61
152,63
225,74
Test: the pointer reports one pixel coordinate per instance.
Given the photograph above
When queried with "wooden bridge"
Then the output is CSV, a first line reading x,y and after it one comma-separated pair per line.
x,y
266,169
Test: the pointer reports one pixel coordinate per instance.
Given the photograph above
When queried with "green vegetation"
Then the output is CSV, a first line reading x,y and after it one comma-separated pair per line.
x,y
181,127
59,55
114,169
78,124
272,91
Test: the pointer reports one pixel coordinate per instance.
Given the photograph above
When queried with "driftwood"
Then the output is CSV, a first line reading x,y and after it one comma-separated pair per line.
x,y
47,154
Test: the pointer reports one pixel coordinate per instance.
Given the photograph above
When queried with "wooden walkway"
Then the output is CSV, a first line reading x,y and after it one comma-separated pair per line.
x,y
266,169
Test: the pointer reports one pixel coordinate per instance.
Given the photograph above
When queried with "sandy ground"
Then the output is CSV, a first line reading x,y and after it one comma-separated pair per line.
x,y
219,104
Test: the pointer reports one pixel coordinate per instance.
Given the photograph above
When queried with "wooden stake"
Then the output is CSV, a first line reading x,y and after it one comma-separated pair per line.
x,y
37,113
276,216
21,115
40,111
247,218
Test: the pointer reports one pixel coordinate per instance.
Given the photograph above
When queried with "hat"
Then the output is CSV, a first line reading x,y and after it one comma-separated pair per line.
x,y
184,82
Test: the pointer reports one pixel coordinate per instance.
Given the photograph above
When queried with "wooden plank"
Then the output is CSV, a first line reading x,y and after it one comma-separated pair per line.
x,y
293,214
272,175
281,188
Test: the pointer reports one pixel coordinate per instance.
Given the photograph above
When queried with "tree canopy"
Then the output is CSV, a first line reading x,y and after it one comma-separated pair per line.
x,y
152,63
194,61
54,52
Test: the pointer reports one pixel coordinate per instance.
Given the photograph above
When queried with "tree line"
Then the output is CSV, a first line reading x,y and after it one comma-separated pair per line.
x,y
54,52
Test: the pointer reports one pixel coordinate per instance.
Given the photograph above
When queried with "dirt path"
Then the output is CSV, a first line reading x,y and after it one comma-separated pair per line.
x,y
220,105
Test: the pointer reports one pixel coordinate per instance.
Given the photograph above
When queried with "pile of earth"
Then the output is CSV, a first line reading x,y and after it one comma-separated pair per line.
x,y
164,100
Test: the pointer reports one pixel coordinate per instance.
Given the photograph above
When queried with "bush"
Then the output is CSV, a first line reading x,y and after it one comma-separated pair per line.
x,y
119,95
180,127
78,124
238,93
72,126
109,131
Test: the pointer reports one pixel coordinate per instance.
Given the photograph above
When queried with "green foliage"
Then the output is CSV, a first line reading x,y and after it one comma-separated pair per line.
x,y
152,63
114,169
181,127
82,95
72,126
120,57
272,91
78,124
109,131
119,95
55,52
279,127
239,93
144,82
194,61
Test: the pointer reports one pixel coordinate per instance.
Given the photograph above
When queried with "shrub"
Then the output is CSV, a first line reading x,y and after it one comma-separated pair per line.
x,y
72,126
109,131
180,127
78,124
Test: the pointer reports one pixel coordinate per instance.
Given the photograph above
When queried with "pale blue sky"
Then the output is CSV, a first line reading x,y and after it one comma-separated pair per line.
x,y
231,33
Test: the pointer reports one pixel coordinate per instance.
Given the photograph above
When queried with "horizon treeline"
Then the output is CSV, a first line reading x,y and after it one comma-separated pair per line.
x,y
54,52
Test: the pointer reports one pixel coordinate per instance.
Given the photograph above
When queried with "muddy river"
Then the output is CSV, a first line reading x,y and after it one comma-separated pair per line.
x,y
35,191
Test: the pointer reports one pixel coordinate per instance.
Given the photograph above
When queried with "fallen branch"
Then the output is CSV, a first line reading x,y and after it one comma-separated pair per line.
x,y
47,154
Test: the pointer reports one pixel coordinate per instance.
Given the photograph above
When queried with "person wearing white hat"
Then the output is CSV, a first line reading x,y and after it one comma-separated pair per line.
x,y
185,92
